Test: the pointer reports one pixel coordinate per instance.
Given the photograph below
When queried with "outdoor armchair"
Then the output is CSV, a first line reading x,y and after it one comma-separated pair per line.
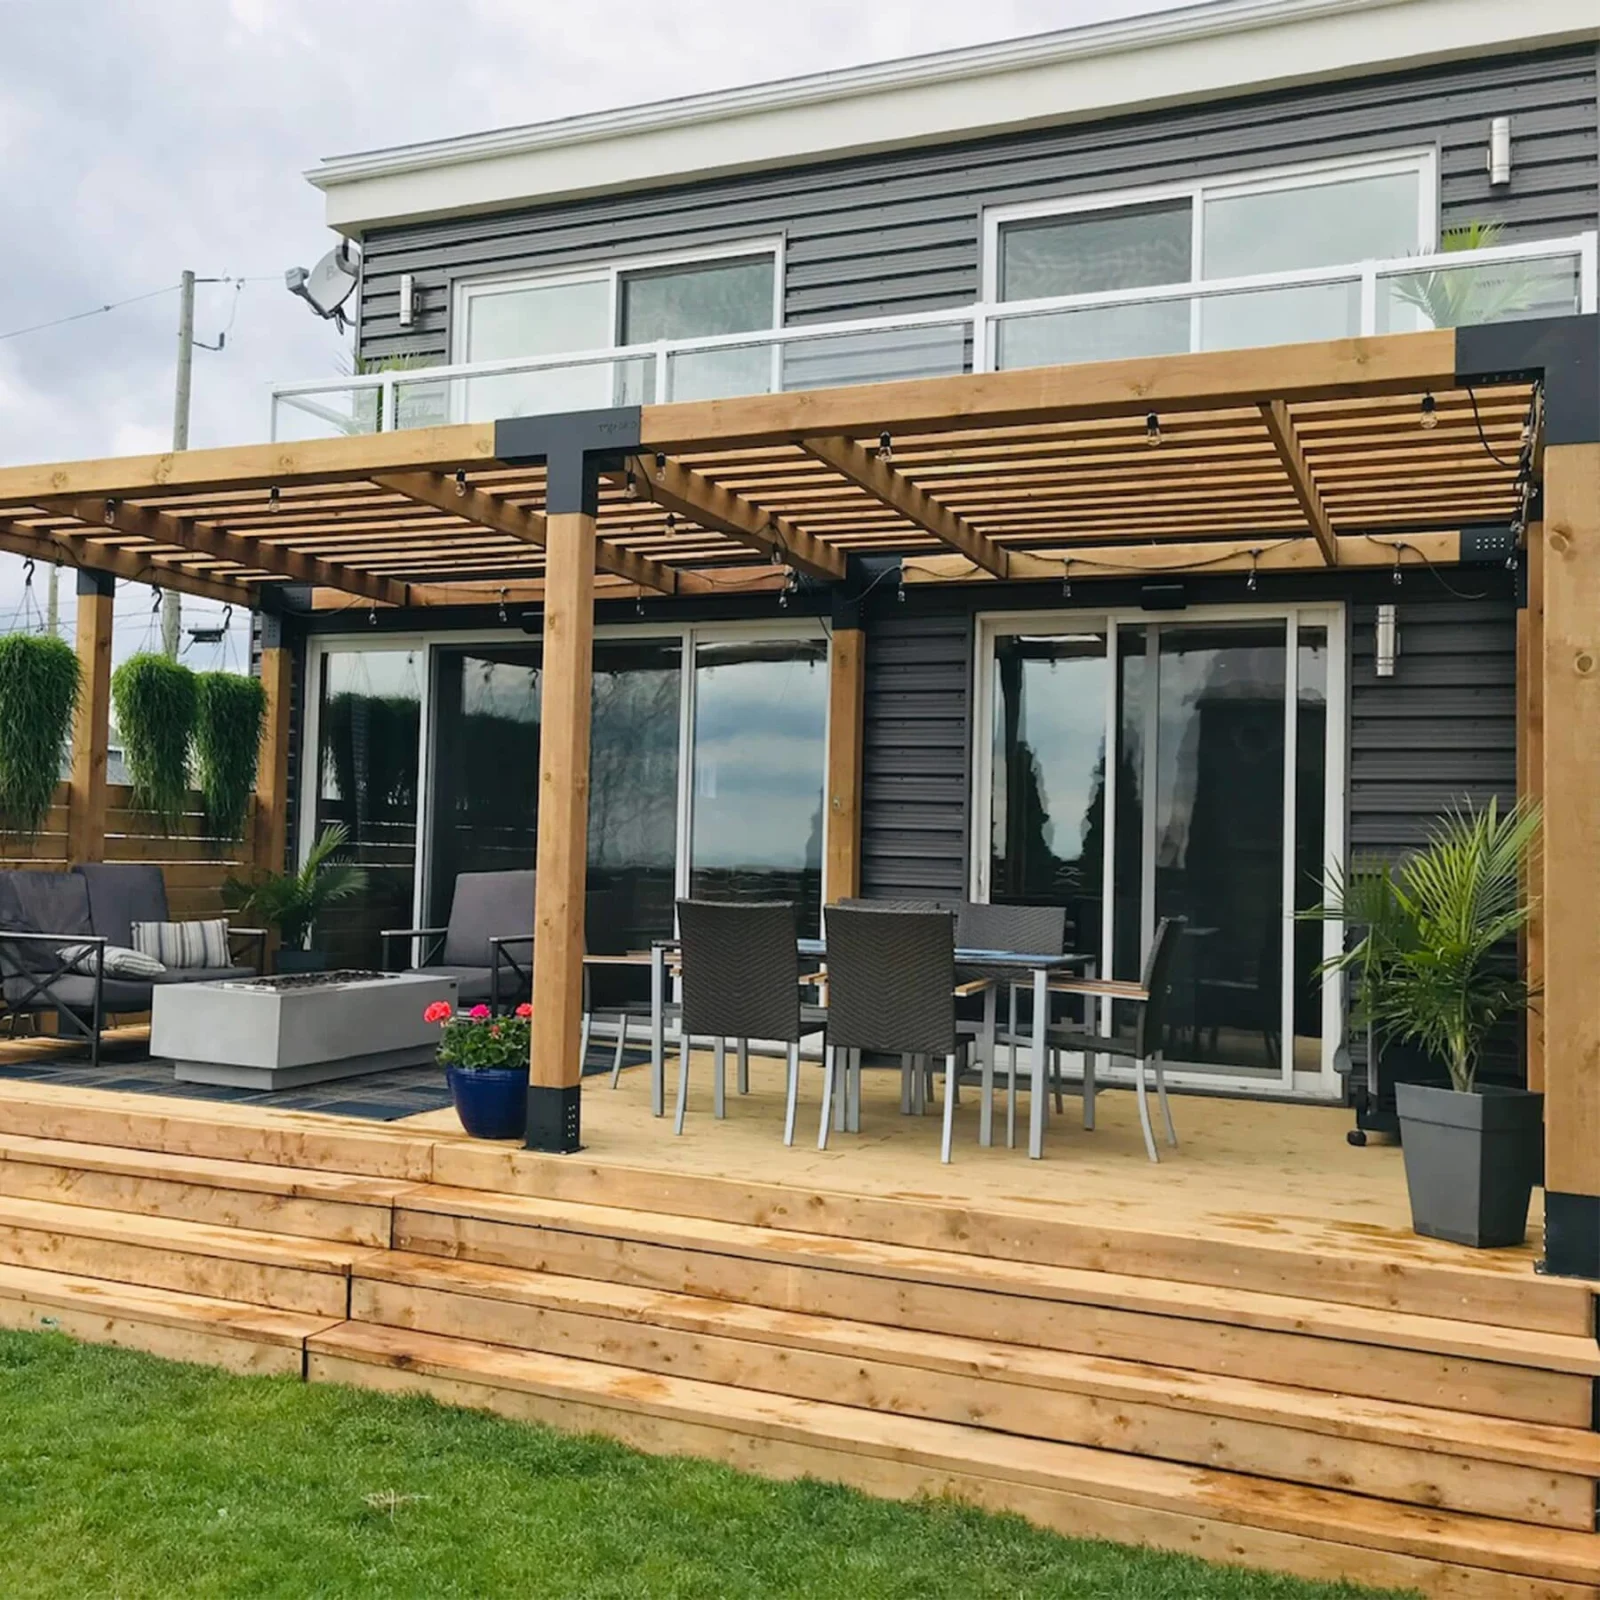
x,y
122,893
1143,1045
480,947
742,981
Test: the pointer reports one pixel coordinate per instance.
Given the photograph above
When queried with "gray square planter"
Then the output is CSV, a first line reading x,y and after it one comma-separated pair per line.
x,y
1472,1161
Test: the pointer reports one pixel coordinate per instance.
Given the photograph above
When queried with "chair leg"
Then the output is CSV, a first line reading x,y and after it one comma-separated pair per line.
x,y
905,1085
1090,1062
927,1085
744,1066
792,1088
1144,1109
719,1079
583,1044
852,1104
683,1082
830,1062
1011,1073
622,1044
841,1066
949,1106
1158,1064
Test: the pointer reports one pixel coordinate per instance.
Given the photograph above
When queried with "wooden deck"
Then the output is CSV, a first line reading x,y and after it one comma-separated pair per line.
x,y
1243,1353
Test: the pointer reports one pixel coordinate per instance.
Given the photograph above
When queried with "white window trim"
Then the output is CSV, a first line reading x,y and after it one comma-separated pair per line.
x,y
424,645
1423,161
1324,1083
609,270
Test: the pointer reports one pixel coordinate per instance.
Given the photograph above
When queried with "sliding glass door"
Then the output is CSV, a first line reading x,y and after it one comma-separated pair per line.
x,y
1205,742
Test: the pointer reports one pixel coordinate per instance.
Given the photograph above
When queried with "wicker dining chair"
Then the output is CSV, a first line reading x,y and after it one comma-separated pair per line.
x,y
1145,1045
891,987
741,981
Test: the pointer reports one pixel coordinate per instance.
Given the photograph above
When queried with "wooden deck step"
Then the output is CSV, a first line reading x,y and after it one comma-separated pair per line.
x,y
215,1129
235,1194
179,1327
1434,1361
1318,1259
1409,1453
235,1264
1214,1514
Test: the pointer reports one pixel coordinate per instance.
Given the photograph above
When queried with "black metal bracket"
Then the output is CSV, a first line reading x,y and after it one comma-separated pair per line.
x,y
1562,352
1571,1235
1487,544
92,581
554,1119
575,447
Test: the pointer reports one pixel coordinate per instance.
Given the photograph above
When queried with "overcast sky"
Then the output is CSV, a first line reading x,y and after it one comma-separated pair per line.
x,y
140,137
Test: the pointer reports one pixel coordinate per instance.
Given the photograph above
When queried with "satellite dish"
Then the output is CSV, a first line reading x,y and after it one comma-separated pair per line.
x,y
329,284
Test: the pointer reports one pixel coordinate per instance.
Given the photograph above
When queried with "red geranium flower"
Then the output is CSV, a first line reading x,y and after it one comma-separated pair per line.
x,y
439,1011
524,1010
479,1012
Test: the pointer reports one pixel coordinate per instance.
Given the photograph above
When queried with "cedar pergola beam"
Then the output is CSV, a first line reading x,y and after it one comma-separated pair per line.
x,y
1281,430
893,489
686,493
499,515
211,539
70,550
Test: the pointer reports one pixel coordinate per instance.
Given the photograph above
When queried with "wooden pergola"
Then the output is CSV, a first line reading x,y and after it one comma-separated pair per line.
x,y
1381,453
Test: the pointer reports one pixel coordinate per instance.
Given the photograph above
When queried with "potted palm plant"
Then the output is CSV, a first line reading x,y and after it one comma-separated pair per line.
x,y
1432,969
291,902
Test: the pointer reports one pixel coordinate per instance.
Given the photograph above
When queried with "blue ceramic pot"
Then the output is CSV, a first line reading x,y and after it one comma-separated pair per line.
x,y
492,1102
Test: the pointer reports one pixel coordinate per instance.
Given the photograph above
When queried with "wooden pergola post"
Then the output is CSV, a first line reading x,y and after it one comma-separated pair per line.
x,y
270,845
847,678
1570,668
1530,782
86,800
575,448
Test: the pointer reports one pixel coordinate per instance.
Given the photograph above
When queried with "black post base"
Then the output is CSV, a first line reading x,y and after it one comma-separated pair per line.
x,y
553,1119
1571,1235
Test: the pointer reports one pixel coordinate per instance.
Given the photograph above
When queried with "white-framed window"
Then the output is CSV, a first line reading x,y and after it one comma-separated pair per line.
x,y
1134,765
1147,253
634,301
707,773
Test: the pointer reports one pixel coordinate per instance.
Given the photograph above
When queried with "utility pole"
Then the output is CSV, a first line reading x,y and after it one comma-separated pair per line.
x,y
171,601
52,601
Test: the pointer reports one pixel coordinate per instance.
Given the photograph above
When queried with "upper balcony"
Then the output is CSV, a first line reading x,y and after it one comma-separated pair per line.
x,y
1449,289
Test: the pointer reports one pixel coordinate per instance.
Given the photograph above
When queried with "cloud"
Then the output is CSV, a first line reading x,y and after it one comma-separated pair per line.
x,y
138,140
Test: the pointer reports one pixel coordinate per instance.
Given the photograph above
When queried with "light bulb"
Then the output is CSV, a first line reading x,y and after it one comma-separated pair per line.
x,y
1430,413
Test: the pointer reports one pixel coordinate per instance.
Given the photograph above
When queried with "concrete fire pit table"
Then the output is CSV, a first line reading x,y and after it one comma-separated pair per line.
x,y
279,1033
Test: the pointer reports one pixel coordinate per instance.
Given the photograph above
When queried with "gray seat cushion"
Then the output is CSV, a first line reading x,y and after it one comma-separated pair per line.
x,y
488,905
204,974
472,984
75,992
122,893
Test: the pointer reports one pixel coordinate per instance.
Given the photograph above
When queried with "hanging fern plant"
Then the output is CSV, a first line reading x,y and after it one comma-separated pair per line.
x,y
227,737
39,680
155,699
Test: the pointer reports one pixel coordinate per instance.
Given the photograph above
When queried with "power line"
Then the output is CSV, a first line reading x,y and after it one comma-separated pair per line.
x,y
116,305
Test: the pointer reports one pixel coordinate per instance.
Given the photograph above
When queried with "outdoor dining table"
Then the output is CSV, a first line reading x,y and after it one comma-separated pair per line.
x,y
1042,968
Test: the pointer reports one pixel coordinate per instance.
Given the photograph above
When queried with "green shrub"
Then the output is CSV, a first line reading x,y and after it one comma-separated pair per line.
x,y
156,699
39,680
227,739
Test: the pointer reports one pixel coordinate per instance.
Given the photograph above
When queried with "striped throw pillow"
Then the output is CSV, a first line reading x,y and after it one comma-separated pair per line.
x,y
184,944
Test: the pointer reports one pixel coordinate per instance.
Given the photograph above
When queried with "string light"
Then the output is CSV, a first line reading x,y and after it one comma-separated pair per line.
x,y
885,447
502,607
273,499
1152,429
111,513
1066,578
461,481
1429,420
661,467
1250,582
1396,577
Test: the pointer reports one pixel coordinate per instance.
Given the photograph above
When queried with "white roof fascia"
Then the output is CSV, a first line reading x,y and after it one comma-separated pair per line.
x,y
1195,53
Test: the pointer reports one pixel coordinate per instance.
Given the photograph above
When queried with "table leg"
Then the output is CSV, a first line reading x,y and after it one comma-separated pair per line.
x,y
991,996
1041,1040
658,1025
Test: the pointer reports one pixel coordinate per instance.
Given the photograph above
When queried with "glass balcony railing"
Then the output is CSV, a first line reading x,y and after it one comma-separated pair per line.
x,y
1405,295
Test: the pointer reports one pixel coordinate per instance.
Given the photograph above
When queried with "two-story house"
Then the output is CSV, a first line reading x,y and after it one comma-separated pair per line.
x,y
1235,174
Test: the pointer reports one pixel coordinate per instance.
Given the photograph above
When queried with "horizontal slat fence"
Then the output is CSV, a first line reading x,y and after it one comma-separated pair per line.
x,y
194,863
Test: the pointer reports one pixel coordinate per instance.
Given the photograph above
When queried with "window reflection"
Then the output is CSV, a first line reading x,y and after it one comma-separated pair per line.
x,y
760,754
369,709
1048,800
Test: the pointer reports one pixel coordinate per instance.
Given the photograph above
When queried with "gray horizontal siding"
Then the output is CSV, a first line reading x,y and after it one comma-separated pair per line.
x,y
1442,730
915,753
900,231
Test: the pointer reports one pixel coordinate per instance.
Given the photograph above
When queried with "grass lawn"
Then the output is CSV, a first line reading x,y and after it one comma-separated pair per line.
x,y
125,1476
